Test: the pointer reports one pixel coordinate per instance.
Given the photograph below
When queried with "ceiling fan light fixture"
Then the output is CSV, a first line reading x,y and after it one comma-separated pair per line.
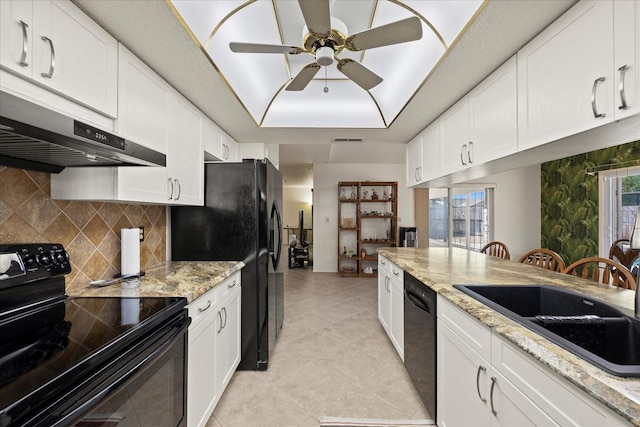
x,y
324,56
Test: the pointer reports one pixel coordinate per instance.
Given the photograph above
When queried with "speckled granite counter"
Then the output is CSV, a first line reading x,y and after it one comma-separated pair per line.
x,y
188,279
440,268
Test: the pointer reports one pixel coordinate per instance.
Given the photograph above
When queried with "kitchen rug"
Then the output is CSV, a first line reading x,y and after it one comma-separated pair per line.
x,y
372,422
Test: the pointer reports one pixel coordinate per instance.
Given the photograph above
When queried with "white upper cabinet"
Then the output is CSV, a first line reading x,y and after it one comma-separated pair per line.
x,y
626,36
145,103
185,161
414,161
493,116
455,137
55,45
566,76
431,152
218,145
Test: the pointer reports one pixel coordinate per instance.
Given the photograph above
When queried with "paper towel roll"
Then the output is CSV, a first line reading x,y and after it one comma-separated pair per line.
x,y
130,251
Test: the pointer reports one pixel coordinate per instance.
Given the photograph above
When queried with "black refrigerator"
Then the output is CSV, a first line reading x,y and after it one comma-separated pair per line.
x,y
241,221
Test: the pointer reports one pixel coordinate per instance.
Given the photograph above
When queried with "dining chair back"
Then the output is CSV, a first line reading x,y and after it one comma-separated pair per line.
x,y
497,249
543,258
602,270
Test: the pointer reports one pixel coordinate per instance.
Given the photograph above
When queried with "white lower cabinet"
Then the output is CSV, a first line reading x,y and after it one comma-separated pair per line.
x,y
391,302
484,380
214,348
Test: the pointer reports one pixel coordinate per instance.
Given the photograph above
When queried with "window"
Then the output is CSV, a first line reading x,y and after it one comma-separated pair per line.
x,y
470,219
619,201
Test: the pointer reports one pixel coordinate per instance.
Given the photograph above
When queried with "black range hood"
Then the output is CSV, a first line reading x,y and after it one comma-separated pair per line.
x,y
36,138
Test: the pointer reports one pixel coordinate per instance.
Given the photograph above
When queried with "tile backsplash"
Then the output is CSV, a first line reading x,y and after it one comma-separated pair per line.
x,y
89,231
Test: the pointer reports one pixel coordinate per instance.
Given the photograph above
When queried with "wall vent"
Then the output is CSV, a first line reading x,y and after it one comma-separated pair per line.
x,y
347,140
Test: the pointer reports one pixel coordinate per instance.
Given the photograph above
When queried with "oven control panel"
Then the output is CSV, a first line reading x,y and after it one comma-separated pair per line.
x,y
22,263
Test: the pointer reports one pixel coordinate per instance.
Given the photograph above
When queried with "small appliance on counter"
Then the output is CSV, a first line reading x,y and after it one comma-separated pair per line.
x,y
68,361
408,237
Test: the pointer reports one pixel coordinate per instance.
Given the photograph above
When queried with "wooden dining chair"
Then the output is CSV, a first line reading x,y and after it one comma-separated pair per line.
x,y
622,253
603,270
543,258
497,249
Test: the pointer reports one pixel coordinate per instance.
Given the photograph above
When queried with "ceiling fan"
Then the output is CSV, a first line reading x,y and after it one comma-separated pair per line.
x,y
326,43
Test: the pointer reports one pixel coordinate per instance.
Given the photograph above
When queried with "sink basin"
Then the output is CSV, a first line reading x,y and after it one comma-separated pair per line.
x,y
589,328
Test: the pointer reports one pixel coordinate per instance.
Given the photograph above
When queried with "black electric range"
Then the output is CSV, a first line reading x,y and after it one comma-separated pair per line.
x,y
81,361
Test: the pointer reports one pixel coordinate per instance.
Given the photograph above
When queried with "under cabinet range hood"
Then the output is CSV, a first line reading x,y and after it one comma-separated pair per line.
x,y
36,138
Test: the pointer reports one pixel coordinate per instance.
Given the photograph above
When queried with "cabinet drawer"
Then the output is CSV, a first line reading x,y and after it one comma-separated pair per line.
x,y
229,284
563,402
475,334
204,305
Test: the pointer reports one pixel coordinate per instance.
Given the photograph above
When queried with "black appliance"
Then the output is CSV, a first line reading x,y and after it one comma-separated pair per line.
x,y
241,221
420,339
408,237
68,361
36,138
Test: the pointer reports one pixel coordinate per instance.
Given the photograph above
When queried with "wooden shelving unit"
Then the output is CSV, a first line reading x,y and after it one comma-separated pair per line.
x,y
367,220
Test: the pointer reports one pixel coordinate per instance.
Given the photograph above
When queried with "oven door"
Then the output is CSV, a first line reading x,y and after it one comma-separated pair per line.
x,y
145,386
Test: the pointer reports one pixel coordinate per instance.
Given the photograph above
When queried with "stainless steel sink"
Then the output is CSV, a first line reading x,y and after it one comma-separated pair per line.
x,y
589,328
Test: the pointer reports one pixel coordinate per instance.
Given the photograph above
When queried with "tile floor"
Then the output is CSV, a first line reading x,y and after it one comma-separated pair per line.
x,y
332,359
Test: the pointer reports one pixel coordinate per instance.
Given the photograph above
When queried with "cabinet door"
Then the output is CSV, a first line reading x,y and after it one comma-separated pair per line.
x,y
463,382
455,137
397,314
414,161
16,36
510,407
74,56
493,115
560,72
185,161
626,19
212,140
431,152
145,103
202,382
228,351
384,294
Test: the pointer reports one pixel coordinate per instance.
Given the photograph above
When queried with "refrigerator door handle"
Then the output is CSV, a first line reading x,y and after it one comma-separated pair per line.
x,y
276,245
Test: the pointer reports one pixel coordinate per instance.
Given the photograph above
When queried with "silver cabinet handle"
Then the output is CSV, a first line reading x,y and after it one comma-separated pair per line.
x,y
462,150
224,325
25,43
416,174
220,323
235,282
593,98
177,181
202,310
623,98
420,173
470,152
171,192
52,64
493,384
382,262
395,272
481,369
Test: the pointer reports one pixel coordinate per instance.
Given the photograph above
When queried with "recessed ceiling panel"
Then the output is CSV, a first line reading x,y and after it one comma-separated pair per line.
x,y
259,80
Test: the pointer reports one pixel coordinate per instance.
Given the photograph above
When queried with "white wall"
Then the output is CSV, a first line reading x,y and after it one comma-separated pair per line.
x,y
517,209
325,204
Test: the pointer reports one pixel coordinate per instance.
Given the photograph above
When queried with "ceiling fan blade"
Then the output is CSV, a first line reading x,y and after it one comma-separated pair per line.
x,y
316,15
361,75
264,48
402,31
304,77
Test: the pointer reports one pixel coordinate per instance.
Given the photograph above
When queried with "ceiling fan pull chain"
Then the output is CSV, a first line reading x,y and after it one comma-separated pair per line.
x,y
326,88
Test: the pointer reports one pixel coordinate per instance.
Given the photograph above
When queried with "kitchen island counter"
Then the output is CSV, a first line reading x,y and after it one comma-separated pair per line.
x,y
189,279
441,268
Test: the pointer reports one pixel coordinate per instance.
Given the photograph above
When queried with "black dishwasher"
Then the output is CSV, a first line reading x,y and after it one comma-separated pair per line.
x,y
420,339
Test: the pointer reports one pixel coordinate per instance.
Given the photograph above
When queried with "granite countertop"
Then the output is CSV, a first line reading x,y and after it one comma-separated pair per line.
x,y
440,268
189,279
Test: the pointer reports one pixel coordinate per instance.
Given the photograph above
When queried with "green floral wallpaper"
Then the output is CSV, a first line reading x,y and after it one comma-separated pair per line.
x,y
569,205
